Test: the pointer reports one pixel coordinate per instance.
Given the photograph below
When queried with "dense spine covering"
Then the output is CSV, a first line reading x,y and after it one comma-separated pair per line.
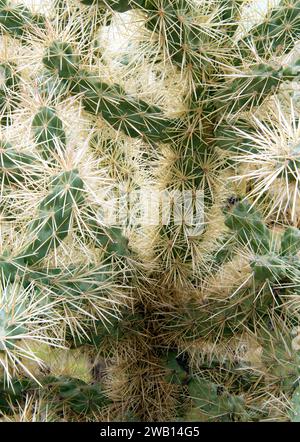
x,y
161,320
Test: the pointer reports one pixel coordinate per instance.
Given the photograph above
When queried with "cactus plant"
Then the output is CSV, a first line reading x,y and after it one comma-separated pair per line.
x,y
149,211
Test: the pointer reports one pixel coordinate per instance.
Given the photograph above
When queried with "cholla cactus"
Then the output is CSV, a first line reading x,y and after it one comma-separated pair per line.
x,y
185,311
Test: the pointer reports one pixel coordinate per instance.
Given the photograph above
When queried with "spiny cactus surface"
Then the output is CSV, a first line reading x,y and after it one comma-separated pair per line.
x,y
149,210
